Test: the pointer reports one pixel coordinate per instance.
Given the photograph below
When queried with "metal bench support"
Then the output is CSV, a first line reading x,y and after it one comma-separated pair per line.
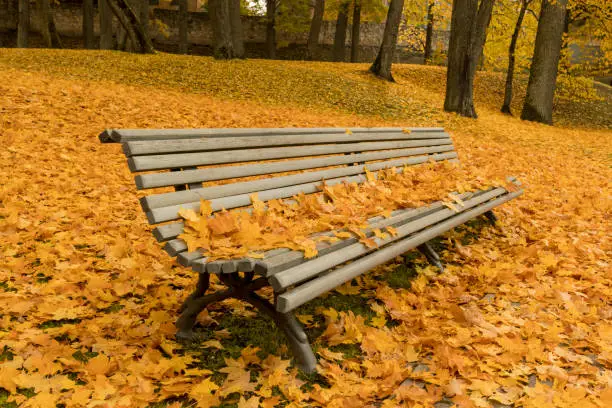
x,y
491,217
431,255
243,288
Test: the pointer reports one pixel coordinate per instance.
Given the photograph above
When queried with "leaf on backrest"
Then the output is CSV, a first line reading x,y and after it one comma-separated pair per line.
x,y
188,214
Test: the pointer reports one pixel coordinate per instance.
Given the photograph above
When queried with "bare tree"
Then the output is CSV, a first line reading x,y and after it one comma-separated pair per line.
x,y
315,28
271,28
183,34
48,31
223,47
106,25
382,65
23,25
355,31
511,57
340,35
138,37
88,25
469,23
545,62
236,28
429,32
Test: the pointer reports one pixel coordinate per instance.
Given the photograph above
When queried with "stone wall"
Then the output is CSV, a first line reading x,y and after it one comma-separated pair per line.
x,y
164,33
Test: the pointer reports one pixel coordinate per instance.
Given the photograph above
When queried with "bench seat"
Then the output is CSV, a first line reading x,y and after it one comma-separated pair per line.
x,y
279,164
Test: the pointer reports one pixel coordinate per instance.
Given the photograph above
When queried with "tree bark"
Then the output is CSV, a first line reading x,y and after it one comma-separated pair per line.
x,y
43,9
382,65
315,28
106,25
355,31
271,28
223,47
469,23
183,34
340,35
23,27
236,28
544,64
88,27
511,58
429,33
144,15
129,21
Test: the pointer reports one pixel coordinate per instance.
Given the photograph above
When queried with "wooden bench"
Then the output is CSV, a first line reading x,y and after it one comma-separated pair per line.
x,y
174,157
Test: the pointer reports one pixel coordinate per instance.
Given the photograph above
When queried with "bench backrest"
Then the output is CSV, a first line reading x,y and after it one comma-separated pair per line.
x,y
187,158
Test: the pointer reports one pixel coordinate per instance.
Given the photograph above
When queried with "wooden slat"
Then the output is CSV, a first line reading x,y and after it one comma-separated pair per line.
x,y
272,265
170,161
139,148
303,293
169,213
175,247
208,193
315,266
144,181
169,231
126,135
186,258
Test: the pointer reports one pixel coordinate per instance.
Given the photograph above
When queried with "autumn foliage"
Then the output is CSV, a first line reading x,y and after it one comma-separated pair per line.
x,y
88,299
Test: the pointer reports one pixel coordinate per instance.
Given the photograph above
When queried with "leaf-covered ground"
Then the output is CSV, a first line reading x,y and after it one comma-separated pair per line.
x,y
522,316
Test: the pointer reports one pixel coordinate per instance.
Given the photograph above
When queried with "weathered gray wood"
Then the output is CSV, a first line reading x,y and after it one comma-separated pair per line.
x,y
139,148
303,293
169,231
199,265
312,268
186,258
271,265
153,180
246,265
169,213
208,193
175,247
230,266
127,135
170,161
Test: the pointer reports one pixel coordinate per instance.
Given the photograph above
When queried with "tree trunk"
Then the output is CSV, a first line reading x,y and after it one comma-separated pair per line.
x,y
382,65
429,33
236,28
183,34
355,32
88,27
543,74
56,41
43,9
144,15
129,21
315,28
469,23
106,25
511,58
340,35
271,28
223,47
23,27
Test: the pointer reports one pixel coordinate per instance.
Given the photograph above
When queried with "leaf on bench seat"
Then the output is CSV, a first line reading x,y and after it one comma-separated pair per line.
x,y
451,206
391,230
456,198
369,242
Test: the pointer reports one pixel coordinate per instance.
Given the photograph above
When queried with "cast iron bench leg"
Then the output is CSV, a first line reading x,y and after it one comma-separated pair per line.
x,y
294,333
432,257
243,288
491,217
